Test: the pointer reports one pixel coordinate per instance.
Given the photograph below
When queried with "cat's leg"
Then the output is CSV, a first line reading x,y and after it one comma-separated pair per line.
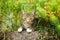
x,y
20,29
29,29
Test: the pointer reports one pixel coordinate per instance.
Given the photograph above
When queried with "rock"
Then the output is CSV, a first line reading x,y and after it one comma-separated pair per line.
x,y
22,36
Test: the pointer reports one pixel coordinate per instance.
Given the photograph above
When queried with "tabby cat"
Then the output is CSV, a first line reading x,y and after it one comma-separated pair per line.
x,y
27,21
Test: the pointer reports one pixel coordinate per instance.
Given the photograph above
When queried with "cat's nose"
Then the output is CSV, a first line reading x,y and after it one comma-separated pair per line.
x,y
28,20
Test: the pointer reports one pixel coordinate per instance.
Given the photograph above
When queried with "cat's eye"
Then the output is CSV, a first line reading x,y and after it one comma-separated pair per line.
x,y
32,18
24,17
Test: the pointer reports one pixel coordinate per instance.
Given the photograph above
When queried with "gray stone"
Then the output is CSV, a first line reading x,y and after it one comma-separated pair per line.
x,y
22,36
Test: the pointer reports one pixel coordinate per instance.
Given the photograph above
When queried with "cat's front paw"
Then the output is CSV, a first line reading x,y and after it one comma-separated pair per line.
x,y
20,29
29,30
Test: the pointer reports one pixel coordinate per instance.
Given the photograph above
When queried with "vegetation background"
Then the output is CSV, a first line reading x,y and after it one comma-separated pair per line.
x,y
48,12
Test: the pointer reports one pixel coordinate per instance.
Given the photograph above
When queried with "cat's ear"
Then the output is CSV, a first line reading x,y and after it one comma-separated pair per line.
x,y
33,12
23,12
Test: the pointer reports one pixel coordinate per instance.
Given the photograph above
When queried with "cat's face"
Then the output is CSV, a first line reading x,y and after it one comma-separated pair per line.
x,y
28,17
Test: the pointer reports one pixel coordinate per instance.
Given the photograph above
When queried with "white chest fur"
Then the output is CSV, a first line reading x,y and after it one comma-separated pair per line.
x,y
26,25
